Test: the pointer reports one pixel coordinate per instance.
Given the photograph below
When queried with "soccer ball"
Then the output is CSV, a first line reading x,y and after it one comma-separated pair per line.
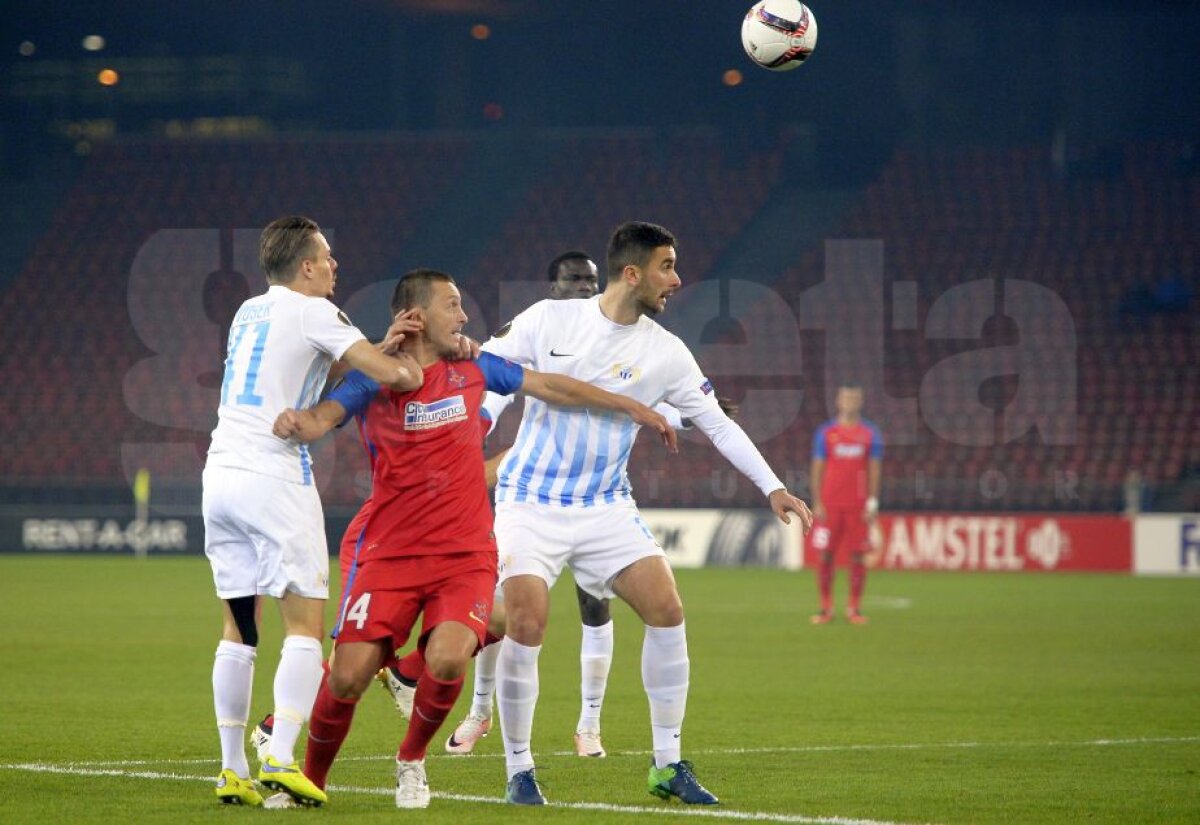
x,y
779,34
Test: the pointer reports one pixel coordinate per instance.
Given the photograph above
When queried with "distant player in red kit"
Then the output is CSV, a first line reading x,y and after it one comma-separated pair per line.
x,y
847,463
427,545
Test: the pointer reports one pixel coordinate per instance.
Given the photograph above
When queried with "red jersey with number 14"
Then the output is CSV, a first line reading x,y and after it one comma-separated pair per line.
x,y
846,449
428,493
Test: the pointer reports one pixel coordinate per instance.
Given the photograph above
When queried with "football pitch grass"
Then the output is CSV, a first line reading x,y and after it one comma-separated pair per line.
x,y
970,698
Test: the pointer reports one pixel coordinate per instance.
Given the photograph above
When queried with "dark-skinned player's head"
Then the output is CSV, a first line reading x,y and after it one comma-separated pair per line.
x,y
573,275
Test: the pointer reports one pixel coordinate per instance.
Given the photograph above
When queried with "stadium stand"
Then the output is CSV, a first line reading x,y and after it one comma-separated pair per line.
x,y
1114,238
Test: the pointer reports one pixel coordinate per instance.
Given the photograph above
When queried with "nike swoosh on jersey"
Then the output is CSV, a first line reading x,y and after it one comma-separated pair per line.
x,y
562,354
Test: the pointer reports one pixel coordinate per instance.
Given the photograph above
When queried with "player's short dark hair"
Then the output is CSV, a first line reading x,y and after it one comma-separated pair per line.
x,y
850,385
633,243
415,288
573,255
284,244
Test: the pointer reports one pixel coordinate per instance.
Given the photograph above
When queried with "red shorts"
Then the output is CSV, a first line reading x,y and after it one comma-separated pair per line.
x,y
388,594
841,531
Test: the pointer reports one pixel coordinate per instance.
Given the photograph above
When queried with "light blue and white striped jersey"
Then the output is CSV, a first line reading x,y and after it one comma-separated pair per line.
x,y
281,345
574,457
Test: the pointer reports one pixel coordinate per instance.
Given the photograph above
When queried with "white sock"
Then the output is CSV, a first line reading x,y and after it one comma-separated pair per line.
x,y
485,680
233,678
665,676
296,684
516,697
595,659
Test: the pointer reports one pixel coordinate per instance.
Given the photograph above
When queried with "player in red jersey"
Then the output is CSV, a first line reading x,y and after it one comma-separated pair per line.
x,y
401,676
427,545
847,464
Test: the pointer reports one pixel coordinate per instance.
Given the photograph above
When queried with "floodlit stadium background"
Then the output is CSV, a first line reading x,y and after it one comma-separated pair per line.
x,y
986,214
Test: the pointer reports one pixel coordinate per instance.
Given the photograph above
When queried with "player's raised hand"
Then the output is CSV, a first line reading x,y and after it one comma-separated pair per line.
x,y
404,324
468,349
649,418
783,502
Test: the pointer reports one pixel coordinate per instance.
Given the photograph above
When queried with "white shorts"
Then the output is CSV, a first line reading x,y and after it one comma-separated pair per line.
x,y
264,535
597,543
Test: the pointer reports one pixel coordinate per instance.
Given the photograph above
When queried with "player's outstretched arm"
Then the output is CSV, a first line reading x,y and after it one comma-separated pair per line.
x,y
308,425
733,443
400,372
568,392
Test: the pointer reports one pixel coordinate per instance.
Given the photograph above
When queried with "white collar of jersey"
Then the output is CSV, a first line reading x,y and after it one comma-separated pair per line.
x,y
613,325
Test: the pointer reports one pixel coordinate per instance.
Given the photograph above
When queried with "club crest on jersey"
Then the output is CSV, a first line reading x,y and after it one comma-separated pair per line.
x,y
419,416
625,372
456,378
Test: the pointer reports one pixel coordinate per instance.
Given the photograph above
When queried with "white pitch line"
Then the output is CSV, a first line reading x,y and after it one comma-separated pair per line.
x,y
754,816
1086,743
889,602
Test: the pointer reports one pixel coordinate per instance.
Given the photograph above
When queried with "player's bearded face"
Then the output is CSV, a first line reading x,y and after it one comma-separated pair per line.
x,y
659,281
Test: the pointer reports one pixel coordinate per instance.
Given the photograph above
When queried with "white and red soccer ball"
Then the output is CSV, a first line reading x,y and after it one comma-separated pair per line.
x,y
779,34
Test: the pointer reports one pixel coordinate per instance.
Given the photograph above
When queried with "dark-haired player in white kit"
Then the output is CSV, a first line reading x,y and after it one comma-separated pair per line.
x,y
563,497
572,274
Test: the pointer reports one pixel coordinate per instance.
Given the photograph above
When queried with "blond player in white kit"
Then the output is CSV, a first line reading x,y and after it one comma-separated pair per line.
x,y
263,524
563,497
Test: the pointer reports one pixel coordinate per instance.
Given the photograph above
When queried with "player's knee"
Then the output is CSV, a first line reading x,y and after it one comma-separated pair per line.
x,y
347,686
446,665
666,611
526,627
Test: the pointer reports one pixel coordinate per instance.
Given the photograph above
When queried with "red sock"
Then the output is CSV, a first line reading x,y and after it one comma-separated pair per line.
x,y
327,729
412,666
858,579
431,705
825,581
